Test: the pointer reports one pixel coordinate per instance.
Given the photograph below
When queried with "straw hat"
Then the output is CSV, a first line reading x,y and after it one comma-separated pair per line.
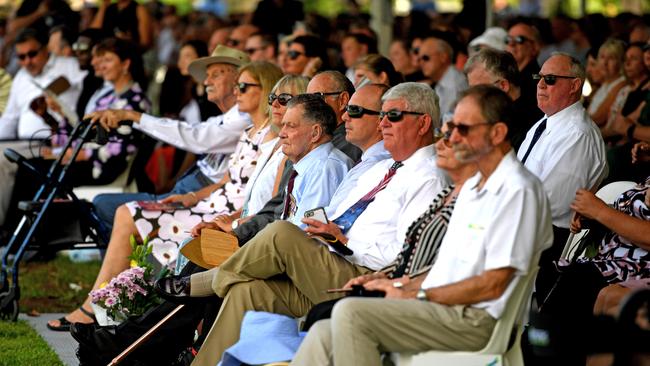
x,y
220,55
211,249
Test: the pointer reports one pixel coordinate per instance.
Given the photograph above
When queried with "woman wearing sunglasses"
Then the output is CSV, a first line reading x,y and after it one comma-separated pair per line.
x,y
168,227
263,183
306,55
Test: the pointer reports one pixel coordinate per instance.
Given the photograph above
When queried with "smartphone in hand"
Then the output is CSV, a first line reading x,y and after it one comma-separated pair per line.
x,y
318,214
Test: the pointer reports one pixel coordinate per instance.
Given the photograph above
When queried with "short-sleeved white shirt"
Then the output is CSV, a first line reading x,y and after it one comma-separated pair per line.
x,y
507,223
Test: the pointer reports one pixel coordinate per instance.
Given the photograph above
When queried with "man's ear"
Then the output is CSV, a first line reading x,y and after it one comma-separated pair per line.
x,y
498,133
576,86
316,133
344,98
425,125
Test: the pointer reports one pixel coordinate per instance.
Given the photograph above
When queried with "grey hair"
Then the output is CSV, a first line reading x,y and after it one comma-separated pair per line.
x,y
500,64
575,66
419,97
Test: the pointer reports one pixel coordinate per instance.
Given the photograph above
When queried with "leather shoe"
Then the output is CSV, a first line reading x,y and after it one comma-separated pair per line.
x,y
175,289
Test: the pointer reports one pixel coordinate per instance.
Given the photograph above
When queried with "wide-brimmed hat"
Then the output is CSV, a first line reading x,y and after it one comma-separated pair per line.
x,y
492,37
220,55
264,338
211,249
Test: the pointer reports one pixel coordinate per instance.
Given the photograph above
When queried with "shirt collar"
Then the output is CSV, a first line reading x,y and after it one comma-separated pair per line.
x,y
48,65
321,152
554,121
498,177
375,150
422,153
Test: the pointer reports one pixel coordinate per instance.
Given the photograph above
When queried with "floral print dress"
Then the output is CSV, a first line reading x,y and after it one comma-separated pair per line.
x,y
168,229
618,259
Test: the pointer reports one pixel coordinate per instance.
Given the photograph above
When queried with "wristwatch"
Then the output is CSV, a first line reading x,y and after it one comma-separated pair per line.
x,y
421,295
234,224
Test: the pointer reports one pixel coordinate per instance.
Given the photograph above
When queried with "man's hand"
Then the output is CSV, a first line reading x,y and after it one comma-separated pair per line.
x,y
363,279
640,152
111,118
196,230
224,222
188,199
576,223
588,205
316,227
388,286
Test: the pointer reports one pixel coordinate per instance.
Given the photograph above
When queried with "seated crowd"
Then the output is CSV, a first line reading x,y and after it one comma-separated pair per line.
x,y
422,188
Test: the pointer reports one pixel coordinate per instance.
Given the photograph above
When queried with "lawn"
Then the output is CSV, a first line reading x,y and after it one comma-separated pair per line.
x,y
46,287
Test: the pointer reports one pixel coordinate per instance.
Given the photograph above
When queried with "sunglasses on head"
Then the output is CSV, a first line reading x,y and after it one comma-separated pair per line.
x,y
395,115
28,54
323,95
551,79
462,129
242,87
283,98
516,39
355,111
294,54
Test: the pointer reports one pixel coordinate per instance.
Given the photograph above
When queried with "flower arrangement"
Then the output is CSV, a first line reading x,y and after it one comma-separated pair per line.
x,y
130,293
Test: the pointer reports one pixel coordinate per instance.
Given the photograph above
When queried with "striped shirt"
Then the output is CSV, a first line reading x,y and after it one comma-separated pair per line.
x,y
423,238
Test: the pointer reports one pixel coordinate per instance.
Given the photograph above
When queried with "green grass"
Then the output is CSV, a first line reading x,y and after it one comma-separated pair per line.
x,y
45,288
21,345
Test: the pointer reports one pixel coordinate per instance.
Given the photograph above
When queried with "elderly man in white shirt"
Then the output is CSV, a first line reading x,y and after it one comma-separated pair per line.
x,y
436,62
18,121
500,225
249,280
565,149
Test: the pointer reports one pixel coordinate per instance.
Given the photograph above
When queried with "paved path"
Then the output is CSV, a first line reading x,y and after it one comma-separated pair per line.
x,y
61,342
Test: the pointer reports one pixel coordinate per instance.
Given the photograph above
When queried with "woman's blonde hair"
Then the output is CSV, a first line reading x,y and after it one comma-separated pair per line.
x,y
266,74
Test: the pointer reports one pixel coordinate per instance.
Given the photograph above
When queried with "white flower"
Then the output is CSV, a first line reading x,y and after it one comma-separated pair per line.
x,y
165,252
144,227
176,227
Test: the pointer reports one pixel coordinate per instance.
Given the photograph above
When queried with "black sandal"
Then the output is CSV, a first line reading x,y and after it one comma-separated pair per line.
x,y
64,324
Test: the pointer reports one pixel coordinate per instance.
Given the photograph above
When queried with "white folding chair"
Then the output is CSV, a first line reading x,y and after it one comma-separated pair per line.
x,y
499,350
608,194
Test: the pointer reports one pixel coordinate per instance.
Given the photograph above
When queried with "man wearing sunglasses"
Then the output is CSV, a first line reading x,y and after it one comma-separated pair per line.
x,y
37,66
498,68
523,43
284,270
436,61
216,137
239,35
262,47
565,149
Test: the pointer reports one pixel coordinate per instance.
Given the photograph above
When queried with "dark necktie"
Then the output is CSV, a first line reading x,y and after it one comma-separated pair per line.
x,y
536,135
348,218
287,198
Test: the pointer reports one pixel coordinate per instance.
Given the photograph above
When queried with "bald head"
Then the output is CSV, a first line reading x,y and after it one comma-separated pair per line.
x,y
362,118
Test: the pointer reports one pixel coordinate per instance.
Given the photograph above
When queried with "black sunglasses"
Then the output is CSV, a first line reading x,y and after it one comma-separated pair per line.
x,y
425,58
233,42
28,54
294,54
438,135
646,48
415,50
551,79
355,111
462,129
252,50
395,115
516,39
323,95
242,87
283,98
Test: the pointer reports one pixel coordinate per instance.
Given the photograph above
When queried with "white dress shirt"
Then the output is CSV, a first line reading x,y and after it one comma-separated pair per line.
x,y
18,120
452,83
377,236
216,137
507,223
570,154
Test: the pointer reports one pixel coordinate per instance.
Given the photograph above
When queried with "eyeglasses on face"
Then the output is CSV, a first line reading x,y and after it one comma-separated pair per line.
x,y
425,58
462,129
395,115
252,50
516,39
438,135
323,94
233,42
28,54
551,79
282,98
293,54
242,87
355,111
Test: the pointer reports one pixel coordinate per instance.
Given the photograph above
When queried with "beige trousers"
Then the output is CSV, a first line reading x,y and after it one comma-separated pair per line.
x,y
362,328
280,270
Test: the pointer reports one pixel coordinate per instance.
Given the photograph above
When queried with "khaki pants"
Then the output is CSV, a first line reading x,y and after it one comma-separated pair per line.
x,y
280,270
362,328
